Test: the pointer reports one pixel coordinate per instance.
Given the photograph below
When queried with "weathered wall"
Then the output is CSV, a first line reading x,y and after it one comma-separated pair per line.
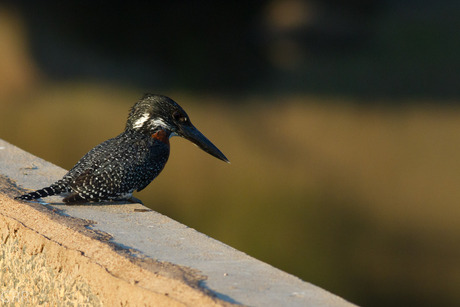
x,y
122,254
44,259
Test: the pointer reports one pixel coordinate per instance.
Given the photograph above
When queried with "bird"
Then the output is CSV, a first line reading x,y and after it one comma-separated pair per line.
x,y
129,162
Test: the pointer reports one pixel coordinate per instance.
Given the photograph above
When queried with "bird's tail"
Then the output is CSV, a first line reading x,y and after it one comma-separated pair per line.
x,y
54,189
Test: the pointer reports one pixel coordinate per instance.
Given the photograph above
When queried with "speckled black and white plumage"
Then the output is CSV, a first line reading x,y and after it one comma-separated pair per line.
x,y
116,168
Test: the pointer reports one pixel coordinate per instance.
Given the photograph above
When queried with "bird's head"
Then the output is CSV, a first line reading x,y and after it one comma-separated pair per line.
x,y
154,113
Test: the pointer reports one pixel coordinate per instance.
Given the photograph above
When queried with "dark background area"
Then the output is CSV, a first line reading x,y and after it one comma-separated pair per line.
x,y
359,48
341,120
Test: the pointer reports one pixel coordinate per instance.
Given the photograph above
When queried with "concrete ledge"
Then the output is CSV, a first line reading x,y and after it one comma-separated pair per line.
x,y
123,254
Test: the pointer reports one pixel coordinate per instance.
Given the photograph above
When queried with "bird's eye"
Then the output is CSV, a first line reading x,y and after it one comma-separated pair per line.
x,y
178,116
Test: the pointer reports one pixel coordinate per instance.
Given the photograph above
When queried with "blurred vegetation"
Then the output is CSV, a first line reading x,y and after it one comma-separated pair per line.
x,y
356,193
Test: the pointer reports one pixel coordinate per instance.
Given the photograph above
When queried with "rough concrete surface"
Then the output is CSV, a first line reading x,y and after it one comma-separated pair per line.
x,y
123,254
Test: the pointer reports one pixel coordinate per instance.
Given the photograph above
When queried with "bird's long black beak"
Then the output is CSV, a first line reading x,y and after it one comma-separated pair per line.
x,y
195,136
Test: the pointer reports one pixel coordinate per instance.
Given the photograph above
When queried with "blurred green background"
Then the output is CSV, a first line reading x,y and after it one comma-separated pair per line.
x,y
341,120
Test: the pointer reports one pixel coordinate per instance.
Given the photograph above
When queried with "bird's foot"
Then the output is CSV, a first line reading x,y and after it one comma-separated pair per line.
x,y
135,200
